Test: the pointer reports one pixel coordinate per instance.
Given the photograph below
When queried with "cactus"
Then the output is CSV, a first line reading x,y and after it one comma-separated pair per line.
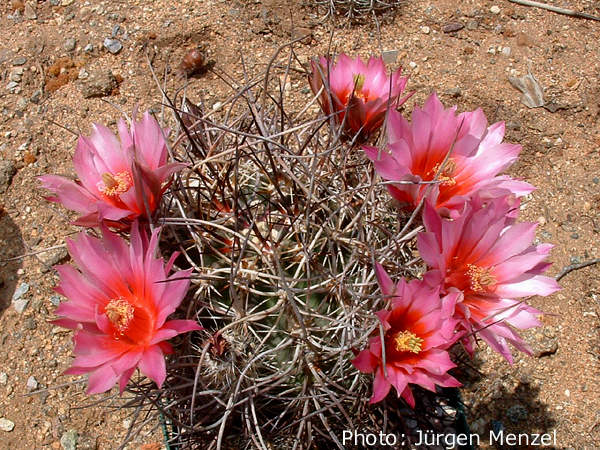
x,y
281,221
357,8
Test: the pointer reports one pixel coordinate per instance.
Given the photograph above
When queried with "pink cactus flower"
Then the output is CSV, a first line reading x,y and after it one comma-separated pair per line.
x,y
419,329
118,182
119,301
359,94
416,153
488,257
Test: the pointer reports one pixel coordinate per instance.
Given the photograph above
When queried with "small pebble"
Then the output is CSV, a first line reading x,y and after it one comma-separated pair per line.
x,y
88,48
32,383
567,393
6,425
506,51
112,45
517,413
3,378
495,9
70,45
20,305
30,12
19,61
68,441
452,27
472,25
453,92
36,96
389,56
13,87
425,30
22,289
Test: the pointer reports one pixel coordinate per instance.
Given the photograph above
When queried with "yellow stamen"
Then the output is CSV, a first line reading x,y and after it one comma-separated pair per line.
x,y
408,342
359,82
480,278
117,185
120,313
447,172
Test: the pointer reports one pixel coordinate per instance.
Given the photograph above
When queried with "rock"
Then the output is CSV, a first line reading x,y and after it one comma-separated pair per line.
x,y
19,61
452,27
517,413
299,32
55,257
7,172
389,56
36,96
13,87
472,25
20,305
29,12
6,425
22,289
478,426
3,378
543,343
99,84
29,323
70,45
32,383
16,74
68,441
88,48
495,9
453,92
113,45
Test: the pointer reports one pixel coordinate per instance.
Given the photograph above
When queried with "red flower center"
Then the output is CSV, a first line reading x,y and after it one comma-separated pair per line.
x,y
406,341
131,323
119,312
447,173
112,186
359,83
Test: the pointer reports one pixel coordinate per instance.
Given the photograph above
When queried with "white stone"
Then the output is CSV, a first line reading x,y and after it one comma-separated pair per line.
x,y
495,9
6,425
32,383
